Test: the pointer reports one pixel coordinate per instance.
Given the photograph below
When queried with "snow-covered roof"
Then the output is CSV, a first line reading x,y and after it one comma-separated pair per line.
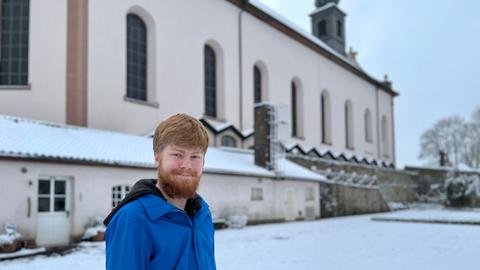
x,y
34,139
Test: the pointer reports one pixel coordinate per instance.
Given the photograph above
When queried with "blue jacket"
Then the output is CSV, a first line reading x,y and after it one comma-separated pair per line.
x,y
150,233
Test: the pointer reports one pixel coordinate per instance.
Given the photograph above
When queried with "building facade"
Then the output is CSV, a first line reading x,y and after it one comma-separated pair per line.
x,y
126,65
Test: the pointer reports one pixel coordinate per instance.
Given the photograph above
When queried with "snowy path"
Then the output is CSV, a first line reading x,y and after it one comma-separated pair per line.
x,y
339,243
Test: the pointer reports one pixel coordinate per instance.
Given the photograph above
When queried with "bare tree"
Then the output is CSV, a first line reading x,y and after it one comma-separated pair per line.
x,y
453,141
446,137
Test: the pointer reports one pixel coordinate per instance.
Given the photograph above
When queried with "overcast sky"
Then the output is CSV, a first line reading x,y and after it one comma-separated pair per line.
x,y
430,50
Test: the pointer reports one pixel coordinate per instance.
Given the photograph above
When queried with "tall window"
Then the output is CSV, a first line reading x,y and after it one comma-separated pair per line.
x,y
322,28
368,125
294,110
257,84
325,117
210,69
14,50
349,124
136,58
385,143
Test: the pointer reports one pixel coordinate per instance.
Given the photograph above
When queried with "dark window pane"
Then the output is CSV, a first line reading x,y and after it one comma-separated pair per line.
x,y
294,109
339,28
43,204
60,187
14,42
44,187
59,204
210,82
322,28
257,84
136,58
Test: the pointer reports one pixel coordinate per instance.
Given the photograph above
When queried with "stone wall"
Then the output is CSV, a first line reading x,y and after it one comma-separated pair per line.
x,y
342,199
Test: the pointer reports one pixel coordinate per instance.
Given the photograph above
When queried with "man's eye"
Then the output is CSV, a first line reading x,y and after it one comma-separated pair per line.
x,y
195,157
176,155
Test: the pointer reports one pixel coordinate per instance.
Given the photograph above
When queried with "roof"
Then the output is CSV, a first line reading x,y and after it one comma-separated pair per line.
x,y
277,21
41,140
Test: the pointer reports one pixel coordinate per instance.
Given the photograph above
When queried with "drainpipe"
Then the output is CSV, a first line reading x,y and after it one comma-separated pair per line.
x,y
378,126
240,63
394,161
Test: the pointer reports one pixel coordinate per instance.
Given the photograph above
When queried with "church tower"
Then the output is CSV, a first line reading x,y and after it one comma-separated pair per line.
x,y
328,24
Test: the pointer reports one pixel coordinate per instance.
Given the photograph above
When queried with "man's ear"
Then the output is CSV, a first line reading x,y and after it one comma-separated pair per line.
x,y
157,159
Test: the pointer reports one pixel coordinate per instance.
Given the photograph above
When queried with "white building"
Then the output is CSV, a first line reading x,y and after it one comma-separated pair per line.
x,y
125,65
54,178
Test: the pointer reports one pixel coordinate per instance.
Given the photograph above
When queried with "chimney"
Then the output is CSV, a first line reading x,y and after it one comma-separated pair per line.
x,y
271,128
262,137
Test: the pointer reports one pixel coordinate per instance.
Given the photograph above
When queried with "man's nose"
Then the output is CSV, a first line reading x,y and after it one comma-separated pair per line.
x,y
185,163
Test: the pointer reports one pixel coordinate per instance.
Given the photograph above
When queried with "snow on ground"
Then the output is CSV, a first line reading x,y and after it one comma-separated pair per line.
x,y
440,215
337,243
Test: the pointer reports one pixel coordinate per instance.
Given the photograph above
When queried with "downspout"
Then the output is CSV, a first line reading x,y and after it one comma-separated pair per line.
x,y
378,126
393,133
240,64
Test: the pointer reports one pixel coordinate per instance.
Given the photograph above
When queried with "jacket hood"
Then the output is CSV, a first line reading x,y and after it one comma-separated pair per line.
x,y
148,186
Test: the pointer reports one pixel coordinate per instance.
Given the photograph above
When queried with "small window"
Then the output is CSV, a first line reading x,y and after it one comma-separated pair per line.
x,y
339,29
118,194
229,141
257,194
322,28
309,194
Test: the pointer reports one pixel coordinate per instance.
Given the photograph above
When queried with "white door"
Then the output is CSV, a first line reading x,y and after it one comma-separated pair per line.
x,y
53,216
289,207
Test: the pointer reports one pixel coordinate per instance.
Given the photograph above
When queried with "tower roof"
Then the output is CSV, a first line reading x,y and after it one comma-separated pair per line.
x,y
321,3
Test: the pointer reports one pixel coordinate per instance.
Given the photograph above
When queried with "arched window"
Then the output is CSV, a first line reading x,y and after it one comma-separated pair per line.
x,y
136,58
368,125
325,117
322,28
257,84
339,29
294,101
385,141
229,141
349,124
210,69
14,44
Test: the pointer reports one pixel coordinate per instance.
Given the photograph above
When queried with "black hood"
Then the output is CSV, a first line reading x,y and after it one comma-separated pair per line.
x,y
148,186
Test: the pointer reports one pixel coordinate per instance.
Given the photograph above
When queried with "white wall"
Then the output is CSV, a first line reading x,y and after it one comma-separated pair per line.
x,y
182,28
91,192
179,30
45,99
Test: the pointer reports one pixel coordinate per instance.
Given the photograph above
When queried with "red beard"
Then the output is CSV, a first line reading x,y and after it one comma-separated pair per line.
x,y
177,186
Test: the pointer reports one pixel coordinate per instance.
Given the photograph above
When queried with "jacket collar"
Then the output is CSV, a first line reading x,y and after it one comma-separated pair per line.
x,y
156,207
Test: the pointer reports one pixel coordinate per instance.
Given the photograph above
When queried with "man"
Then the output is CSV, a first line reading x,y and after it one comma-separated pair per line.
x,y
162,223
